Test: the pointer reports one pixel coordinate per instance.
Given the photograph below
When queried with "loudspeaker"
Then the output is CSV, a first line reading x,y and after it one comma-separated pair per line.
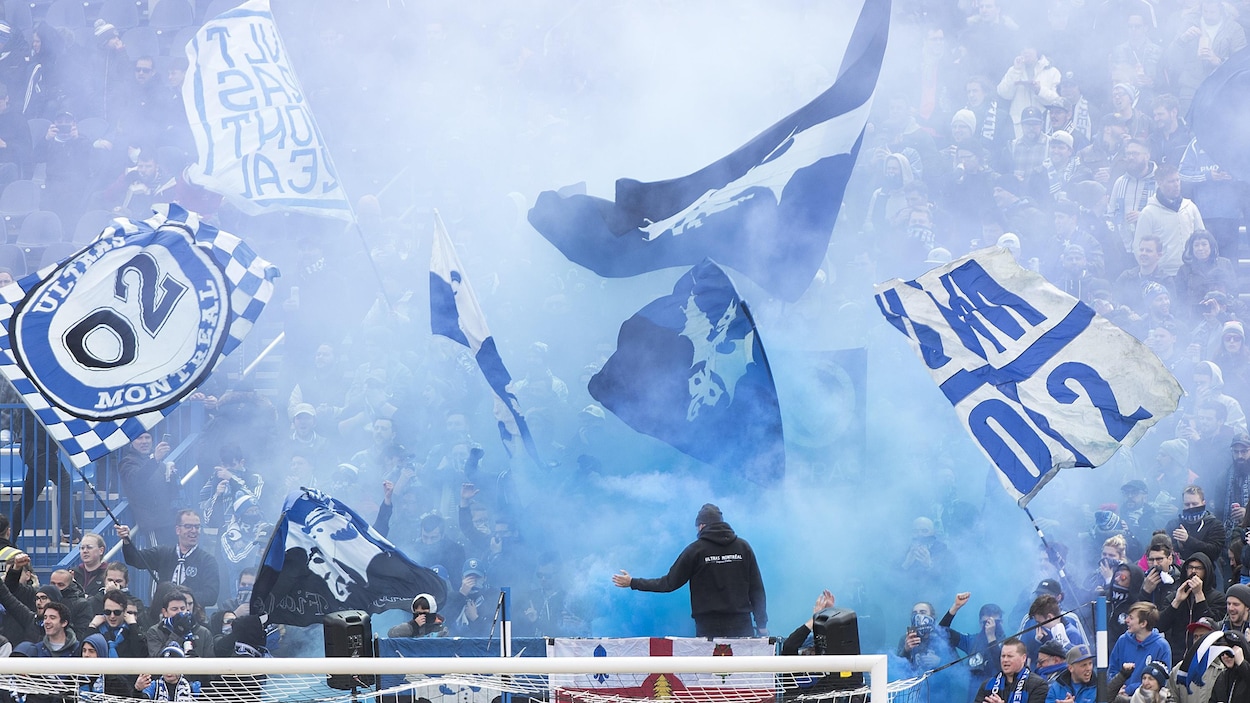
x,y
349,633
836,631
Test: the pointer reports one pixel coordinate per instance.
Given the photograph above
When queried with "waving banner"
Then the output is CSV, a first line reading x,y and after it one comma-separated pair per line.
x,y
259,146
323,557
103,345
1040,381
767,209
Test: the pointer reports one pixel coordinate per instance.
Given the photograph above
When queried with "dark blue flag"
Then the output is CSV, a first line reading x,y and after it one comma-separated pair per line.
x,y
690,369
767,209
323,558
1218,112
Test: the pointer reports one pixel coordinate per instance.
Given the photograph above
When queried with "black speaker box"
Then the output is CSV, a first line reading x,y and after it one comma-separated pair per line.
x,y
349,633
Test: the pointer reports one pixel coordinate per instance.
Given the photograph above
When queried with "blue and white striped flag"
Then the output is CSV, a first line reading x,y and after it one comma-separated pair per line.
x,y
456,315
1038,379
258,144
103,345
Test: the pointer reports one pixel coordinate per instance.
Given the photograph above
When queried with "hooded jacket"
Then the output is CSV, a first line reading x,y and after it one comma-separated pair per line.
x,y
1173,622
1128,649
1236,415
433,626
1121,598
44,648
723,574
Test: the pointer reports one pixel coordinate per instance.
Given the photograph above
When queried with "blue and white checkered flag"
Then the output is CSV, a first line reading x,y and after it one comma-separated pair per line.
x,y
103,345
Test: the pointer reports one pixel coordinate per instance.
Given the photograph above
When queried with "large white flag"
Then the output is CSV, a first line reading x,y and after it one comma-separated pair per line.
x,y
1039,379
259,146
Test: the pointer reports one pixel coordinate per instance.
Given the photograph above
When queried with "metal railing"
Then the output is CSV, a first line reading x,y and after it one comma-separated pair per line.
x,y
62,502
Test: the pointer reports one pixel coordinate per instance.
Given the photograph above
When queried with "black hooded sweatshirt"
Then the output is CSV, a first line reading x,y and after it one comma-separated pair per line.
x,y
1174,621
723,574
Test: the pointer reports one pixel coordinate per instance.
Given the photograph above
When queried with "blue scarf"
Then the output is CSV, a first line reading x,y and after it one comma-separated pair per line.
x,y
1017,696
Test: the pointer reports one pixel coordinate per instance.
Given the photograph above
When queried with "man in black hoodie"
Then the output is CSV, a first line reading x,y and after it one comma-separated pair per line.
x,y
1196,597
726,588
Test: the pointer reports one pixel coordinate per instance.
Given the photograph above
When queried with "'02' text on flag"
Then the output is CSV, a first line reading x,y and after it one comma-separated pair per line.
x,y
1038,379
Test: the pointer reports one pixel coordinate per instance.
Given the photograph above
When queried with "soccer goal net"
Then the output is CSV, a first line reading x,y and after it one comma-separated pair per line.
x,y
736,679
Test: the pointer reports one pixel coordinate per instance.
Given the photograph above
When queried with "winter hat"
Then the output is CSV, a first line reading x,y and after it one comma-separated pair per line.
x,y
1235,327
1054,648
1157,671
1177,449
1107,521
708,514
52,592
104,31
965,117
1208,623
429,601
1241,592
1151,291
1062,136
97,641
1010,242
1128,89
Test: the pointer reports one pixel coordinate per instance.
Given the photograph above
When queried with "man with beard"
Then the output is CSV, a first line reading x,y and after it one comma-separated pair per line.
x,y
1196,529
1132,190
1015,684
1232,491
1209,438
1238,604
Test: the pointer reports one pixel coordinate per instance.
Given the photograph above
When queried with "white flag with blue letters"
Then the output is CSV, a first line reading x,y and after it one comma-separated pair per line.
x,y
257,141
1040,380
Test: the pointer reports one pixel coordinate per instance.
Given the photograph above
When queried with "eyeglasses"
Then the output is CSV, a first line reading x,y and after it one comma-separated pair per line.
x,y
140,69
113,613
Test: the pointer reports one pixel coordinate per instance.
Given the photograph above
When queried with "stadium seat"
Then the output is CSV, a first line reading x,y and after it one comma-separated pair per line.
x,y
122,14
38,128
66,14
217,7
20,198
17,14
140,42
40,228
14,259
90,225
56,251
92,128
171,14
176,45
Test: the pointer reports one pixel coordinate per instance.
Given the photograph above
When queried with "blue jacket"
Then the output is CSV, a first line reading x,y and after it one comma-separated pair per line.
x,y
1061,687
1128,649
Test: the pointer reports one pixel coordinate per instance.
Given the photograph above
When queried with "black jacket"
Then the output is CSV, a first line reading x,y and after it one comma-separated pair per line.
x,y
723,574
202,571
1233,685
1208,537
1174,621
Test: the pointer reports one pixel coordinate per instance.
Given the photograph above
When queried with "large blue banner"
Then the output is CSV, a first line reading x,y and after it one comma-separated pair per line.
x,y
767,209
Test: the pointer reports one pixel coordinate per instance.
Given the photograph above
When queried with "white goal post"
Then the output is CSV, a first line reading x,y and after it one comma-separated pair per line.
x,y
873,664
